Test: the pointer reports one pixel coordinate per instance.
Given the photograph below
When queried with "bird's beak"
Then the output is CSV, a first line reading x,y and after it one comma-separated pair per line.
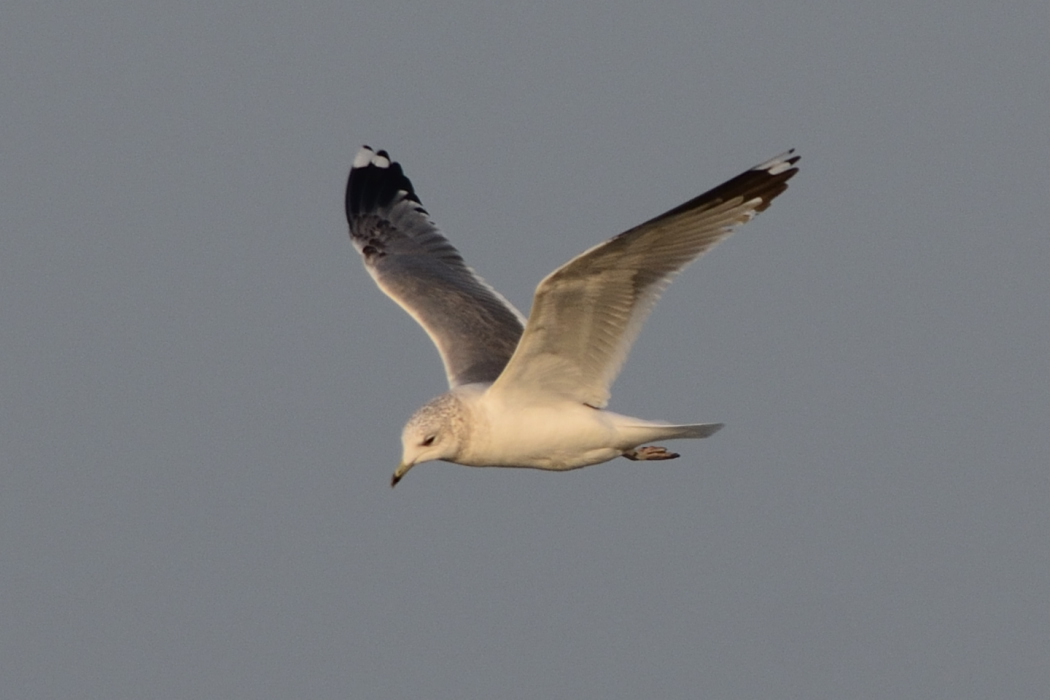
x,y
400,472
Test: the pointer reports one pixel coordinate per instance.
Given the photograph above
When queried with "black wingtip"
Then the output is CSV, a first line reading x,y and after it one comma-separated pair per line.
x,y
375,181
765,181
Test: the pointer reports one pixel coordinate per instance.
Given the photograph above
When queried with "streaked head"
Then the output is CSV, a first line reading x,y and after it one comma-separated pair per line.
x,y
435,431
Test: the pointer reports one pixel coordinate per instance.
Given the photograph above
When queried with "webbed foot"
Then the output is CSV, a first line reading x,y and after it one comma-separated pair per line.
x,y
649,453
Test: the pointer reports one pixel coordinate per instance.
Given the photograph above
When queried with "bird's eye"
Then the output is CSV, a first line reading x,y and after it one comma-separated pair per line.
x,y
428,440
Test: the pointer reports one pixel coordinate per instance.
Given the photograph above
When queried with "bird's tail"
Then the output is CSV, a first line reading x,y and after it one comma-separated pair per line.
x,y
695,430
636,432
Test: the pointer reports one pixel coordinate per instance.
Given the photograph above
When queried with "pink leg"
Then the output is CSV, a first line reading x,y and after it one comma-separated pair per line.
x,y
649,453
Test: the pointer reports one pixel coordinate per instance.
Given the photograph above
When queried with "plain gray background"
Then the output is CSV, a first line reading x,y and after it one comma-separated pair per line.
x,y
202,390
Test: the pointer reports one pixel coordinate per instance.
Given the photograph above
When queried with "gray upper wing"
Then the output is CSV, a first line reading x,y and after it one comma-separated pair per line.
x,y
586,314
474,328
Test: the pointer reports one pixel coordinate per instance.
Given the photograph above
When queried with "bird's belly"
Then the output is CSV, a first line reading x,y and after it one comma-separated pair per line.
x,y
548,437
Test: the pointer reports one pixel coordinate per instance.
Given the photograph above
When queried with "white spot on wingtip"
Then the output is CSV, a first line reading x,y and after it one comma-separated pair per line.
x,y
363,157
775,166
779,167
380,161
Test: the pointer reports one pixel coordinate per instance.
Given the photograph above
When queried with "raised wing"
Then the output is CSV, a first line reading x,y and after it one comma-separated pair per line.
x,y
586,314
474,328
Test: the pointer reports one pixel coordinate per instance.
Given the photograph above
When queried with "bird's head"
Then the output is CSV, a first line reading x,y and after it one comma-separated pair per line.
x,y
436,431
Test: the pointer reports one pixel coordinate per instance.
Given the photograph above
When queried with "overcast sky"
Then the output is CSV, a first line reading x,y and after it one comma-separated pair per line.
x,y
202,391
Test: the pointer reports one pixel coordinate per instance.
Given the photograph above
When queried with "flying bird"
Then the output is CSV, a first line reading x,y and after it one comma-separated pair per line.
x,y
532,392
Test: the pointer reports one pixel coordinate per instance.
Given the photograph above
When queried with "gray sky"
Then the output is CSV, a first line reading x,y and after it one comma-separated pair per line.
x,y
203,390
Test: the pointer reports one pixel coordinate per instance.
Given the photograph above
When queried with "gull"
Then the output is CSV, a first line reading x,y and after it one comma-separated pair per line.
x,y
531,393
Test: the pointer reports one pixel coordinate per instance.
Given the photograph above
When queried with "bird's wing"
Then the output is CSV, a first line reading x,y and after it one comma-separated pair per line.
x,y
474,328
587,313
